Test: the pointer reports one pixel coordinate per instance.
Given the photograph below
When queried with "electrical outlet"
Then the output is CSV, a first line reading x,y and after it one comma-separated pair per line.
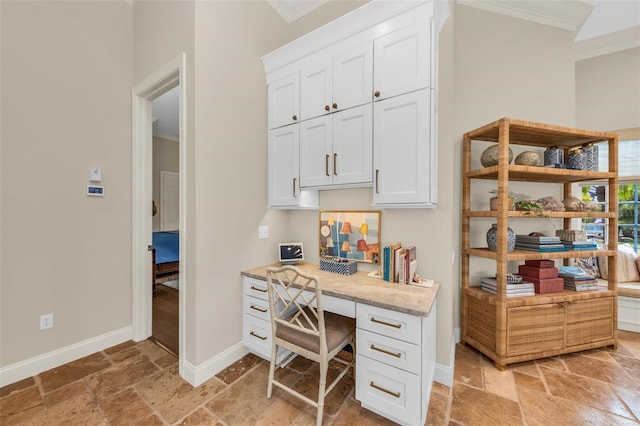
x,y
46,321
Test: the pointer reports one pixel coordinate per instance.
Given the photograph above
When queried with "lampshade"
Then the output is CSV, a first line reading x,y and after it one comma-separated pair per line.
x,y
330,242
331,220
345,246
346,228
364,229
362,246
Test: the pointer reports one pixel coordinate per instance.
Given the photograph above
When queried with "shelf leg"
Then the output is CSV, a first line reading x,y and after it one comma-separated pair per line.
x,y
500,367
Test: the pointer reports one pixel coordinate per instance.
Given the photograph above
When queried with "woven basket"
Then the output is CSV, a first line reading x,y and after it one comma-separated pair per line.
x,y
571,235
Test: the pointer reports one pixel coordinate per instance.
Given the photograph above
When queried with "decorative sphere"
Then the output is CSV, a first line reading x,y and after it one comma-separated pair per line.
x,y
528,158
490,156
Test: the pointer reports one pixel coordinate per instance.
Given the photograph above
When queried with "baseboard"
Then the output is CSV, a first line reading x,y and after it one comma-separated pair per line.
x,y
629,313
443,374
198,374
36,365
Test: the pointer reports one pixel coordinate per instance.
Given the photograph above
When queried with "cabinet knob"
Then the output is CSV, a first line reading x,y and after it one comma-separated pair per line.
x,y
295,117
376,94
335,105
326,108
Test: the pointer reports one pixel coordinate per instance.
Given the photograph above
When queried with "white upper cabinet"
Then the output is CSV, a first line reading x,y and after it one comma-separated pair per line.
x,y
404,157
402,61
337,149
284,101
342,82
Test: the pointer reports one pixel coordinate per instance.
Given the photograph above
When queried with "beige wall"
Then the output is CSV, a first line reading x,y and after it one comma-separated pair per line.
x,y
165,158
66,106
608,91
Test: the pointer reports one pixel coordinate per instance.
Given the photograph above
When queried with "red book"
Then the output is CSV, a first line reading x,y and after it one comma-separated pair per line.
x,y
532,271
540,263
549,285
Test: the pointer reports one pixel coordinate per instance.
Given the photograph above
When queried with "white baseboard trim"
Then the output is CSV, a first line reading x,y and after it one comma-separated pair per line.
x,y
36,365
198,374
629,313
443,374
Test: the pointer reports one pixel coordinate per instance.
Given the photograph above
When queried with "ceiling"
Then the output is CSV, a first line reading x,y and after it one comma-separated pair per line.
x,y
612,22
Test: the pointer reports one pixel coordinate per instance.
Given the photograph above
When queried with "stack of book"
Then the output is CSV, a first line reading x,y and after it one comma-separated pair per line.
x,y
399,264
577,279
543,274
580,245
541,244
513,290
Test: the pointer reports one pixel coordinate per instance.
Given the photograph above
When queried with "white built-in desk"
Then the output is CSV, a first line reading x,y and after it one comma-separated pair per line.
x,y
395,336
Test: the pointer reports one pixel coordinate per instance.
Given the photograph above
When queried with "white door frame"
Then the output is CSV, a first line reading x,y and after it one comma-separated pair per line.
x,y
167,77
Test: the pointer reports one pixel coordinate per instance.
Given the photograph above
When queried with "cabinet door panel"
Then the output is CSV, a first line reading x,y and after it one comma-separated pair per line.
x,y
535,329
401,146
283,179
352,158
353,77
315,152
315,91
589,321
402,61
284,101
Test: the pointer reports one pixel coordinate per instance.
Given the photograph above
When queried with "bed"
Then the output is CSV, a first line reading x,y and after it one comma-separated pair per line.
x,y
166,254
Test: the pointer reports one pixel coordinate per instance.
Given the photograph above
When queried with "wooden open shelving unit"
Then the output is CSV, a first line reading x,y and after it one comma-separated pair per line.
x,y
510,330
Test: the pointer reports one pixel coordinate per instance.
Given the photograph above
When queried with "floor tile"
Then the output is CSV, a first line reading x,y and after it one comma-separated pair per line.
x,y
607,371
69,373
121,375
125,408
201,416
474,407
468,366
352,413
22,384
25,400
498,382
238,368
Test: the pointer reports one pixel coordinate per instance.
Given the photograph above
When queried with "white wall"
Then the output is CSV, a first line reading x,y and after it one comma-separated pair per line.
x,y
165,158
66,106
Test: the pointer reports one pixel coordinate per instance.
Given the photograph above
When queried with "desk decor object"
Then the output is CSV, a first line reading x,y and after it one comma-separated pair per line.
x,y
338,265
350,234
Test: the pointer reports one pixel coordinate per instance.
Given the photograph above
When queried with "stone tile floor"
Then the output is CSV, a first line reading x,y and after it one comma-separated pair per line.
x,y
139,384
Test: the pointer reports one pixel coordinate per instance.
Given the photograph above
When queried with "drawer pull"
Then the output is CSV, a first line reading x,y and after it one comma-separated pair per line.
x,y
255,308
386,352
381,389
388,324
263,290
258,336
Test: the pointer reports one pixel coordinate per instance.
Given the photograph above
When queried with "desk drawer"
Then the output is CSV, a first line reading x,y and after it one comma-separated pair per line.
x,y
389,323
258,308
255,288
393,352
333,304
256,335
393,393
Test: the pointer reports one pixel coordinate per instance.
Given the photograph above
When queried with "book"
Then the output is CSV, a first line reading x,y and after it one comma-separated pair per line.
x,y
409,256
399,253
537,240
386,253
492,282
392,260
541,249
401,269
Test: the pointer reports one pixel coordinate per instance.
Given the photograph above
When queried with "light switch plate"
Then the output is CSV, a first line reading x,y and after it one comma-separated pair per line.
x,y
95,174
263,231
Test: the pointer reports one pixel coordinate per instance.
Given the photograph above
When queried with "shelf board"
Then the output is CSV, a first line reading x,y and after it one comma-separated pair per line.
x,y
546,214
533,255
539,174
540,299
530,133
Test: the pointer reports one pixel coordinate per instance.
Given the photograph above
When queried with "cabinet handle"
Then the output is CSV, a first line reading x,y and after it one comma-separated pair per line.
x,y
294,187
258,336
255,308
335,105
295,117
377,173
376,93
381,389
388,324
335,156
326,108
386,352
326,164
263,290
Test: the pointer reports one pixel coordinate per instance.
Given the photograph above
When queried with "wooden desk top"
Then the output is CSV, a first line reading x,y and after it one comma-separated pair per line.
x,y
359,287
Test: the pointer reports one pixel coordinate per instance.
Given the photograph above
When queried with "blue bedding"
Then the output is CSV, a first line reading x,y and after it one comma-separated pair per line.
x,y
167,245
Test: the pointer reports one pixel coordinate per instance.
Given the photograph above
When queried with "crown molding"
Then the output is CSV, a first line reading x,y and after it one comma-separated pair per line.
x,y
290,10
558,14
608,43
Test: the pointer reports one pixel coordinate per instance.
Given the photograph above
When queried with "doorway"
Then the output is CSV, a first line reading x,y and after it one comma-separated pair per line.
x,y
162,81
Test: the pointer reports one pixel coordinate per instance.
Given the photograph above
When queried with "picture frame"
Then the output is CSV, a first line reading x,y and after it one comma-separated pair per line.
x,y
350,234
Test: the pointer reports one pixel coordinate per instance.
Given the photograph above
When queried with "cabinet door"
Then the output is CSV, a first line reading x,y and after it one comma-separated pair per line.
x,y
353,78
316,153
589,321
284,101
402,151
535,329
284,166
315,91
402,61
352,158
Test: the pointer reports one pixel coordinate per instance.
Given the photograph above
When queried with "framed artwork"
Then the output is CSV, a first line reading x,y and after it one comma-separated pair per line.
x,y
350,234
